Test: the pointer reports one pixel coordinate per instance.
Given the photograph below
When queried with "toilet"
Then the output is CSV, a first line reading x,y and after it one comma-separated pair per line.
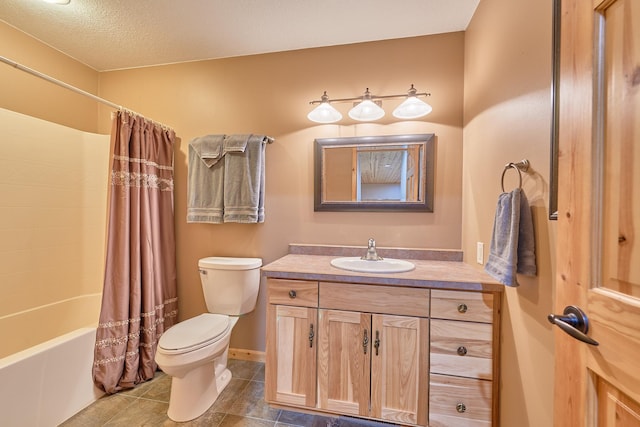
x,y
194,352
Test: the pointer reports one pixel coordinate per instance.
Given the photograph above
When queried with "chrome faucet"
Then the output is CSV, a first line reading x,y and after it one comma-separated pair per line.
x,y
371,252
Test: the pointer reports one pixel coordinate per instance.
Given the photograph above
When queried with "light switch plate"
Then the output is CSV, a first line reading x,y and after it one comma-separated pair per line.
x,y
480,253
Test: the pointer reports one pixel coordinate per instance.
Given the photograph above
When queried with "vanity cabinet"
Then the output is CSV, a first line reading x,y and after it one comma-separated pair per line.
x,y
464,335
370,363
400,354
290,377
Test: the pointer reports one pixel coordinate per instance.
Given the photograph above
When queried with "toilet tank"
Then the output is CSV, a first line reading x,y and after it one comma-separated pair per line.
x,y
230,285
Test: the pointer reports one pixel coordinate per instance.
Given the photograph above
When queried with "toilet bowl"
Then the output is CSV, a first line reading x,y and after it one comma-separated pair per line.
x,y
194,352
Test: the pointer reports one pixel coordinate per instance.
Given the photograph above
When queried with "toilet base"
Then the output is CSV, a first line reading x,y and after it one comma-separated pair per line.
x,y
194,393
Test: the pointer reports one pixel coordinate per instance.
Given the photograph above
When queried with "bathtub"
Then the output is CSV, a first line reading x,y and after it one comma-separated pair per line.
x,y
48,383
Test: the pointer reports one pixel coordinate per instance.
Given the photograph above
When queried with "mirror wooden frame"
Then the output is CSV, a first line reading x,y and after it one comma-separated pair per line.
x,y
426,205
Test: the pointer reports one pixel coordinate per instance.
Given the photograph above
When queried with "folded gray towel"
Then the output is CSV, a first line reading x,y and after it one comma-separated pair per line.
x,y
205,182
512,247
236,143
244,182
209,148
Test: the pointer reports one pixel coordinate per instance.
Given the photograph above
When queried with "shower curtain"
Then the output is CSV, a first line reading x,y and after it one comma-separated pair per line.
x,y
139,300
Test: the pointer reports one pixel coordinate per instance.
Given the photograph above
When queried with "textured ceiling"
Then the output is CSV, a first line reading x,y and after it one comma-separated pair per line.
x,y
116,34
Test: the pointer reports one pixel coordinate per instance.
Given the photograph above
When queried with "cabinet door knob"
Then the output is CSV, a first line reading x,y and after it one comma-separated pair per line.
x,y
462,350
461,407
292,294
462,308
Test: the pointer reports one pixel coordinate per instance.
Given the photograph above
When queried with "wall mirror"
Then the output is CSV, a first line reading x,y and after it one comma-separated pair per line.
x,y
375,173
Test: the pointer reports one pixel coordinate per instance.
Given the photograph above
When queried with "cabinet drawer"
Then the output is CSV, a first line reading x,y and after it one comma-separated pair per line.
x,y
293,292
459,402
375,299
462,305
463,349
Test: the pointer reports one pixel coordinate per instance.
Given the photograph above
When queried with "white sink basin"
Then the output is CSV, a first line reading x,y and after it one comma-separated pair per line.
x,y
386,265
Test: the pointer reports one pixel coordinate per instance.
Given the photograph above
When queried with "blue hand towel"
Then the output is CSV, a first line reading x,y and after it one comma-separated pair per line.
x,y
512,247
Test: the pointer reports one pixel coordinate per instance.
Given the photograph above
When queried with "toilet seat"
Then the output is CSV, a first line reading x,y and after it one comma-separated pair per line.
x,y
194,333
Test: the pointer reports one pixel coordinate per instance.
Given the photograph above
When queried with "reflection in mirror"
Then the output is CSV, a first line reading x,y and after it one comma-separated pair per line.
x,y
375,173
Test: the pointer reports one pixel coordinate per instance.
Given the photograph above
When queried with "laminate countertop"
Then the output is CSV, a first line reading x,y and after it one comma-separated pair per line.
x,y
431,273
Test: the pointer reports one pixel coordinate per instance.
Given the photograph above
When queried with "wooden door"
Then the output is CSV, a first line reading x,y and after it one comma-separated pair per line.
x,y
400,369
344,362
598,253
291,352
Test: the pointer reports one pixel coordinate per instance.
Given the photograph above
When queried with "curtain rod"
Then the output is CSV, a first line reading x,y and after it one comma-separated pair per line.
x,y
74,89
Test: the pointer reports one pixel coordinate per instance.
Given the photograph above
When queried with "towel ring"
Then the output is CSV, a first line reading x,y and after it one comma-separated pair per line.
x,y
521,166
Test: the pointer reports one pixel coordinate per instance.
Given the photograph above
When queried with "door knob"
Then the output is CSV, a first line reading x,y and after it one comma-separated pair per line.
x,y
574,322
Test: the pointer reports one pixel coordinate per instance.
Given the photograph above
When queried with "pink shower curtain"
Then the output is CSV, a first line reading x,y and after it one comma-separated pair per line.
x,y
139,300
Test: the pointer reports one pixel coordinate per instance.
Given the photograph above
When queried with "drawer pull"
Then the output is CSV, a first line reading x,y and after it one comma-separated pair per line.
x,y
462,350
462,308
292,294
460,407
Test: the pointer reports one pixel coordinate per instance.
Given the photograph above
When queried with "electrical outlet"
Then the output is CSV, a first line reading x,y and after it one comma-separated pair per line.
x,y
480,253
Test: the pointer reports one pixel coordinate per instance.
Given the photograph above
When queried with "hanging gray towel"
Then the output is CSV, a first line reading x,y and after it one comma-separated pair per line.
x,y
205,182
512,247
244,179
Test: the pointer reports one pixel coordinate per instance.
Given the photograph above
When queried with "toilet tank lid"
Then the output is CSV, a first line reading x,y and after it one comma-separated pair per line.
x,y
229,263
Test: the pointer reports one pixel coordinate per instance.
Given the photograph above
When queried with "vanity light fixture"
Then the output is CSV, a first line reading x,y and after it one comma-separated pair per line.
x,y
412,107
58,1
369,107
324,113
368,110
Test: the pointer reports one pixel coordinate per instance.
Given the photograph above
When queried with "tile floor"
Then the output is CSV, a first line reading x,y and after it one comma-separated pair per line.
x,y
240,404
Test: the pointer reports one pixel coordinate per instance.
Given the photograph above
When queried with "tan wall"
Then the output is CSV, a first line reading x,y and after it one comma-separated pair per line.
x,y
30,95
270,94
507,118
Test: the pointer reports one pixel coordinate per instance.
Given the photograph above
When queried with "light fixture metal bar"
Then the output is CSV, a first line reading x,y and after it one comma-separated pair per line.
x,y
372,97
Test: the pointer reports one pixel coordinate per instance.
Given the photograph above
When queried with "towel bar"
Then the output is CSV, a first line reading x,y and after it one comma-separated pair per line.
x,y
521,166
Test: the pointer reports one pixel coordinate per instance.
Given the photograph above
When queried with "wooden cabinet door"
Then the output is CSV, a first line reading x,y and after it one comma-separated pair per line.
x,y
290,377
400,369
344,362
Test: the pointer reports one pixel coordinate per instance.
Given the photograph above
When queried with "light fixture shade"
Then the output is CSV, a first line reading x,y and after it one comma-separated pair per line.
x,y
412,108
324,113
366,111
